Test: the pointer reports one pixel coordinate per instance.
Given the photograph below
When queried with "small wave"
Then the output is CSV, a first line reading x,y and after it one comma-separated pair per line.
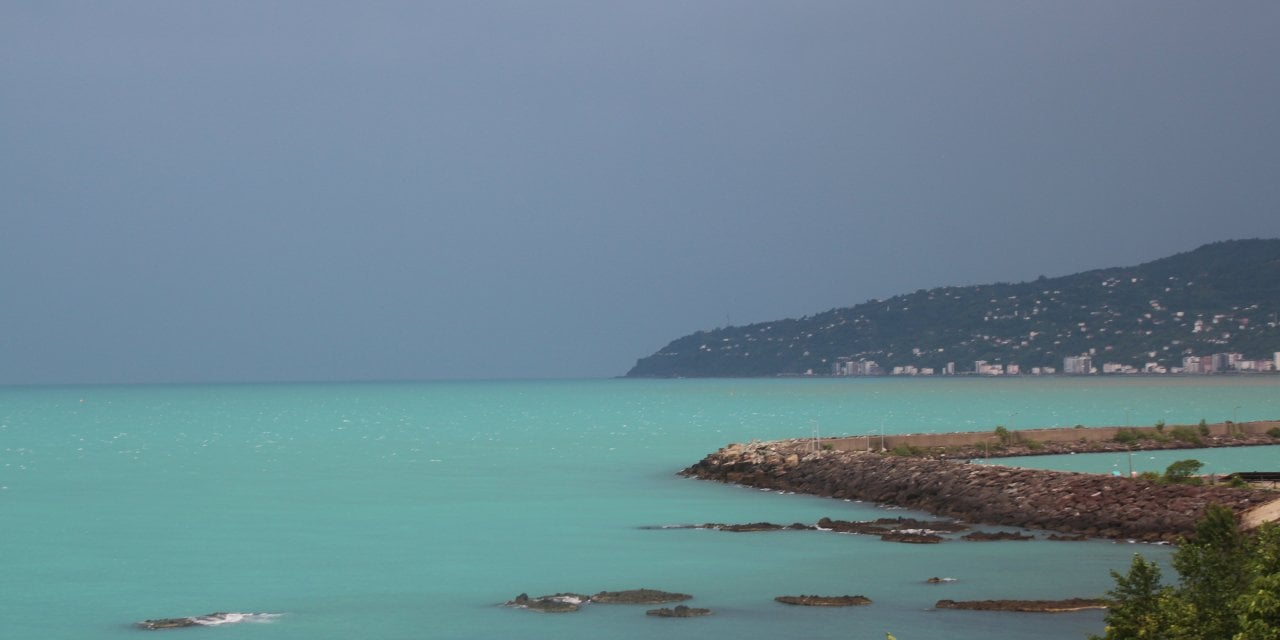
x,y
207,620
215,619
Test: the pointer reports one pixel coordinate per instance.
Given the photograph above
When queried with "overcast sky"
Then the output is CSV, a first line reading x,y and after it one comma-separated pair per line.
x,y
250,191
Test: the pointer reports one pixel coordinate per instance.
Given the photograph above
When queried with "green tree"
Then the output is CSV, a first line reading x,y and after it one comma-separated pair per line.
x,y
1258,606
1211,570
1228,587
1136,612
1002,434
1182,471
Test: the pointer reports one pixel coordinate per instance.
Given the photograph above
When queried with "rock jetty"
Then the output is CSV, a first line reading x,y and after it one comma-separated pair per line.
x,y
1071,503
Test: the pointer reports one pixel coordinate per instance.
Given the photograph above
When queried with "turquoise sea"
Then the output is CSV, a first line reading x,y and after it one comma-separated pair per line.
x,y
413,510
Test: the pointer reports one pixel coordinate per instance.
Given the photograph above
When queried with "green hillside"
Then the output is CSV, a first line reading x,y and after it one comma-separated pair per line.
x,y
1221,297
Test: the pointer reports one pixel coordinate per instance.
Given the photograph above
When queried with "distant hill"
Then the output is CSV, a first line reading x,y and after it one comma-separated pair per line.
x,y
1222,297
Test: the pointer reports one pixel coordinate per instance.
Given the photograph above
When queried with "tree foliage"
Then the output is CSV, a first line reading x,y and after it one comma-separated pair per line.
x,y
1182,470
1228,588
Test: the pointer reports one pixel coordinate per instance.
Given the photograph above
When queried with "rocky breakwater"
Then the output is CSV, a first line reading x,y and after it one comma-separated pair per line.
x,y
1075,503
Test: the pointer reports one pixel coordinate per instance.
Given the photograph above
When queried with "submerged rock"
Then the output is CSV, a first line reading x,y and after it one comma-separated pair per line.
x,y
680,611
987,536
1034,606
753,527
882,526
911,537
950,526
824,601
168,623
1067,538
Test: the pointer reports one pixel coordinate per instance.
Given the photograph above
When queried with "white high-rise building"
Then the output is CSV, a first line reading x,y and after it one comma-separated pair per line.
x,y
1077,365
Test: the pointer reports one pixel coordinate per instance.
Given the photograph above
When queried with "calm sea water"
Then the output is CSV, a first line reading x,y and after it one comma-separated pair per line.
x,y
413,510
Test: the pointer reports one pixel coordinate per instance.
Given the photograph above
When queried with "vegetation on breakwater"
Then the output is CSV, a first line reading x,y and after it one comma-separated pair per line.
x,y
1002,442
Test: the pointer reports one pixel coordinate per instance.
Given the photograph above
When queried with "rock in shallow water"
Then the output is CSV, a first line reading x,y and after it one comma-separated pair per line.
x,y
168,623
639,596
680,611
568,602
987,536
207,620
1034,606
556,603
824,601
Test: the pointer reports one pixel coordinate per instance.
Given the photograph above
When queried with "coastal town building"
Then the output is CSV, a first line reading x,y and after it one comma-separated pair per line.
x,y
1071,365
851,367
1115,367
1077,365
1220,362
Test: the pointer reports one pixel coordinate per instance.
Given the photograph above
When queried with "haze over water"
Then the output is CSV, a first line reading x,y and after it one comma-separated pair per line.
x,y
413,510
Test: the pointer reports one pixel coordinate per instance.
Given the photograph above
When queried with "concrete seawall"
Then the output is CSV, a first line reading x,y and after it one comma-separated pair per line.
x,y
1094,505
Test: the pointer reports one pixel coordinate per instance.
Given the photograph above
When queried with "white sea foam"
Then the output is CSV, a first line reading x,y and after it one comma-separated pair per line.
x,y
215,619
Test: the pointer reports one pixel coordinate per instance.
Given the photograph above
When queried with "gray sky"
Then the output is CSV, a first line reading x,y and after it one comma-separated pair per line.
x,y
244,191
